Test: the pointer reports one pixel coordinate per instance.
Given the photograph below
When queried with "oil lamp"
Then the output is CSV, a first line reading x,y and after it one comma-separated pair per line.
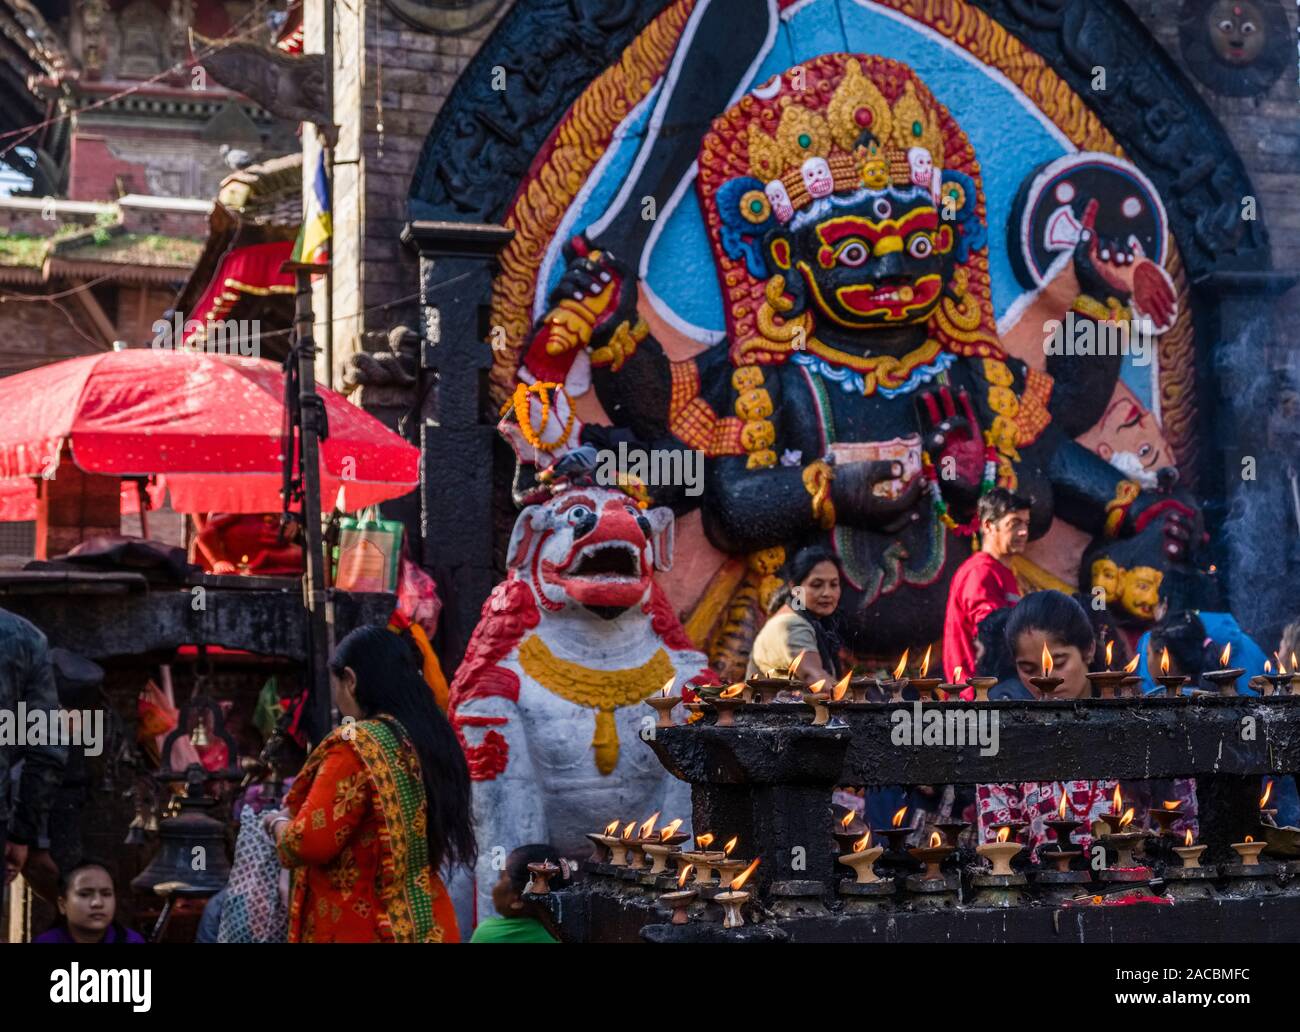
x,y
604,842
1170,811
1128,687
932,856
620,846
860,857
728,867
897,833
847,830
668,843
1000,852
663,704
636,846
1045,682
1189,853
1191,880
1124,840
1171,683
954,688
734,898
1249,851
704,859
682,898
1061,882
726,703
952,830
898,682
1064,828
539,877
982,686
1278,680
1113,819
816,698
925,685
1106,682
1225,678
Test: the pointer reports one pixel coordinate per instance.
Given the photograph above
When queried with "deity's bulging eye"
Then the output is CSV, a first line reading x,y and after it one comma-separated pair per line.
x,y
920,246
579,514
1225,26
1247,27
853,255
882,208
755,207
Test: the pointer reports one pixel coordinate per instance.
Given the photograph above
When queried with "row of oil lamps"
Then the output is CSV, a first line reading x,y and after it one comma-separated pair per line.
x,y
705,873
1108,684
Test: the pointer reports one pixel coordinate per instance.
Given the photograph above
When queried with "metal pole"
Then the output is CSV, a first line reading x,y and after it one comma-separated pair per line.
x,y
315,596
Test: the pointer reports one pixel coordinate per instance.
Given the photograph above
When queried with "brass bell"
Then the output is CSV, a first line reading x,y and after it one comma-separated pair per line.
x,y
192,844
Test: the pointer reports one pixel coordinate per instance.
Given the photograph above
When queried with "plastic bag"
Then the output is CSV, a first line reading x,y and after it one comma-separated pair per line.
x,y
368,552
254,910
417,597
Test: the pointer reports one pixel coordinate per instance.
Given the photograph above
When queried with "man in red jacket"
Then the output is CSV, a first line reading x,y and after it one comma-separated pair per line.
x,y
984,582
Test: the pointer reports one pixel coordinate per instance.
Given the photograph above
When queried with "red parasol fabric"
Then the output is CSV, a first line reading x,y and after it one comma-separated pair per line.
x,y
210,423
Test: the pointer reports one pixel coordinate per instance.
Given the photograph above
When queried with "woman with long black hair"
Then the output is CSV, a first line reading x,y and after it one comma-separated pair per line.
x,y
802,620
382,804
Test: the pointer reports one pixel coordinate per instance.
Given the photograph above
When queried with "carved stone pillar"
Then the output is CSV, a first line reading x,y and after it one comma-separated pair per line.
x,y
457,265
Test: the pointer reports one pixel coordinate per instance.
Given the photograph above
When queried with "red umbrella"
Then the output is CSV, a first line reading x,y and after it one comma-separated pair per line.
x,y
211,424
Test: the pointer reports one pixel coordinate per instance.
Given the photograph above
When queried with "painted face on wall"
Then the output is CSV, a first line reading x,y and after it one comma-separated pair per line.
x,y
1236,30
1130,440
817,177
1106,575
880,262
922,166
1140,591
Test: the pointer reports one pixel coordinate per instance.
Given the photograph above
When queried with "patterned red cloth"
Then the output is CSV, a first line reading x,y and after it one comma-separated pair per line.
x,y
1035,802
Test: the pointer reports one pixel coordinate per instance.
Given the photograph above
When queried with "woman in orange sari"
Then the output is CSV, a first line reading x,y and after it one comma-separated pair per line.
x,y
380,805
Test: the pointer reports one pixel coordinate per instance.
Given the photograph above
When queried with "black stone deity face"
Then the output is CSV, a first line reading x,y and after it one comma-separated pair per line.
x,y
879,261
1237,48
1236,30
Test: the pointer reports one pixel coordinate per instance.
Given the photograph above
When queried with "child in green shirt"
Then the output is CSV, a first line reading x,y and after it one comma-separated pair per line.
x,y
521,920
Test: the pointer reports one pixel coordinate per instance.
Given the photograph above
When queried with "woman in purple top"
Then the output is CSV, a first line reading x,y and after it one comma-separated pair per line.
x,y
88,905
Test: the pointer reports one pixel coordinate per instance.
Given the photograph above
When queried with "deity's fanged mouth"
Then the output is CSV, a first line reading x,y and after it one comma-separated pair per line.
x,y
609,561
893,297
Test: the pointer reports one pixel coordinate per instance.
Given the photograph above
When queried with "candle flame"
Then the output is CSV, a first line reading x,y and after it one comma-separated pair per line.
x,y
611,827
841,687
1110,652
1116,801
817,686
897,819
704,841
668,687
731,845
1225,656
847,819
627,832
1131,665
1004,833
738,882
794,667
1171,805
648,828
956,674
925,662
1187,839
1268,667
732,692
1268,791
1127,819
1250,838
1060,810
902,665
935,839
670,829
1293,664
1047,661
862,843
1164,660
684,873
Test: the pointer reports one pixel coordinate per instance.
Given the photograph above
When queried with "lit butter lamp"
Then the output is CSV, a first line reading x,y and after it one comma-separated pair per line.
x,y
728,867
621,846
1124,841
669,843
932,856
847,830
1277,681
1249,851
1225,678
1267,816
663,704
953,689
816,698
1189,853
1045,682
1106,682
1115,819
1064,827
733,898
1191,880
604,843
763,690
1129,687
1170,811
704,859
680,899
636,847
726,703
894,686
861,858
896,834
1000,853
925,684
1171,683
840,694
